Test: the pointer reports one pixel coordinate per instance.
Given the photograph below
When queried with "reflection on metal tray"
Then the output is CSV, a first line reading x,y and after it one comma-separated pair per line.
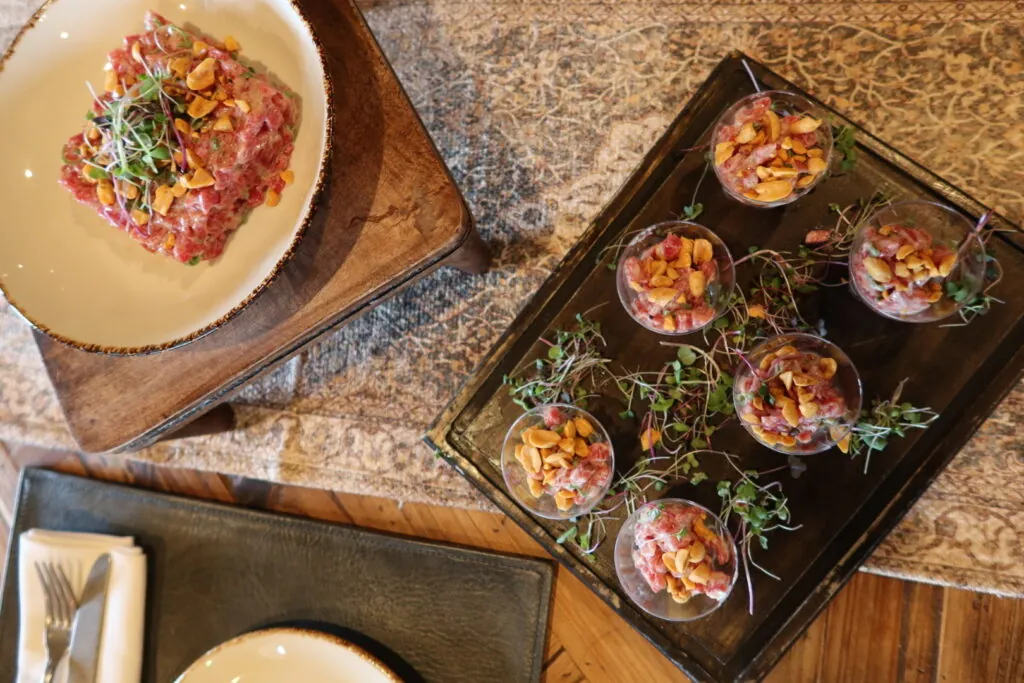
x,y
841,523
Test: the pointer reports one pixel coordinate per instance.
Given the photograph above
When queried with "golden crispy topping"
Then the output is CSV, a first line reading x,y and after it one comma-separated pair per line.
x,y
163,200
203,75
806,124
105,192
200,178
200,107
223,124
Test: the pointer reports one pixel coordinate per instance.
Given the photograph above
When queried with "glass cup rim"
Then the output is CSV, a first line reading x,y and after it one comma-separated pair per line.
x,y
872,221
536,412
721,525
815,339
794,196
651,230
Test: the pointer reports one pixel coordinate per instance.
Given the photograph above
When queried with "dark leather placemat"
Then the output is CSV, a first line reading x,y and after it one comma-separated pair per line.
x,y
434,612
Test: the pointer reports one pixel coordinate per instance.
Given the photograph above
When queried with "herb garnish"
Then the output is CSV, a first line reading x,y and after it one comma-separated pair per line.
x,y
845,143
570,371
680,407
884,420
757,510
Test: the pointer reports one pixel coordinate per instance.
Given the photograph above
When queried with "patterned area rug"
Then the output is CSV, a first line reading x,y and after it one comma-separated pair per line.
x,y
541,110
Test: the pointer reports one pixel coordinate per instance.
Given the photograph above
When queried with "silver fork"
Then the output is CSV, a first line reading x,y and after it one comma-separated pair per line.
x,y
60,614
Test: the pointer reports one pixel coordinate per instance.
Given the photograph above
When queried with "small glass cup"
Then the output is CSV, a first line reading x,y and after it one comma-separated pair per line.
x,y
661,604
947,228
517,479
718,291
783,103
846,380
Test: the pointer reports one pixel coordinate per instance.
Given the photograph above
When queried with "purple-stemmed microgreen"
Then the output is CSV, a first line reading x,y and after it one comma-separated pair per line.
x,y
681,401
833,244
571,370
755,510
992,276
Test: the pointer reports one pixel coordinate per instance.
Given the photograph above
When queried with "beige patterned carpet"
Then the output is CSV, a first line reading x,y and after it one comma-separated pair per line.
x,y
542,109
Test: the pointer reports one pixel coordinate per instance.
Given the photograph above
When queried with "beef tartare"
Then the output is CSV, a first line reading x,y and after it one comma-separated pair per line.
x,y
791,400
185,141
899,270
567,460
770,151
675,551
675,283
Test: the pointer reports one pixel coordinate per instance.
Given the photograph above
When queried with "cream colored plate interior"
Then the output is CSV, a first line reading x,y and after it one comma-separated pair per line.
x,y
287,656
68,270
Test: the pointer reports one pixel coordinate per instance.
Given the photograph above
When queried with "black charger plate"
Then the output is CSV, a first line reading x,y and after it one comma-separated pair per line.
x,y
425,609
963,373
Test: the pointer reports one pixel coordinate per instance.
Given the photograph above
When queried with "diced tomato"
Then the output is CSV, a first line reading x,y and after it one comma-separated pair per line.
x,y
754,112
762,154
671,246
702,315
553,417
633,271
599,452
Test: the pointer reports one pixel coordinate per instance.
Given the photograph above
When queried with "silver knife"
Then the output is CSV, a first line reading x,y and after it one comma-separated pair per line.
x,y
85,640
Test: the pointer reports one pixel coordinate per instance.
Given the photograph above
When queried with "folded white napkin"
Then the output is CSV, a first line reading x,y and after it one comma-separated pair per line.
x,y
120,658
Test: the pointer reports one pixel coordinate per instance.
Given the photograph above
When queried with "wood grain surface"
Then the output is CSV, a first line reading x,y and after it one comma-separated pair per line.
x,y
389,213
877,630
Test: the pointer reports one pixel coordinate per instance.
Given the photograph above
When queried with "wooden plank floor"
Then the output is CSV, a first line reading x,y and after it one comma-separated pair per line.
x,y
877,630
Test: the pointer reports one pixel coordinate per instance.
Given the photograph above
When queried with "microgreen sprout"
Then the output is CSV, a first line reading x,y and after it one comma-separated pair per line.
x,y
681,402
695,208
885,419
756,510
833,244
571,369
845,143
680,407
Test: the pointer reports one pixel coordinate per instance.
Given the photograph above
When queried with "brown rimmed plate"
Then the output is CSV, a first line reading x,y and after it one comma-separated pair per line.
x,y
86,283
282,655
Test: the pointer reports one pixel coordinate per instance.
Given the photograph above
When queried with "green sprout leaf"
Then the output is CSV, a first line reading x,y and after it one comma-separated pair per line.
x,y
567,535
686,355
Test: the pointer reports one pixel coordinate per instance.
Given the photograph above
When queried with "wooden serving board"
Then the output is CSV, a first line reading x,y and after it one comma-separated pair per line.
x,y
961,372
389,213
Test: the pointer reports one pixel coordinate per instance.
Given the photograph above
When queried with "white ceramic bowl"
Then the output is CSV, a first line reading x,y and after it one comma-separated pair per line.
x,y
285,655
64,268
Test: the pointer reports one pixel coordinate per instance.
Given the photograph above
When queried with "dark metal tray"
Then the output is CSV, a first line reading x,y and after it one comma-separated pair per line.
x,y
960,372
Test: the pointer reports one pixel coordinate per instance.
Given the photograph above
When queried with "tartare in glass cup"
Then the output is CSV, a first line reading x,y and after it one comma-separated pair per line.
x,y
798,394
675,277
906,262
771,148
557,461
675,559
